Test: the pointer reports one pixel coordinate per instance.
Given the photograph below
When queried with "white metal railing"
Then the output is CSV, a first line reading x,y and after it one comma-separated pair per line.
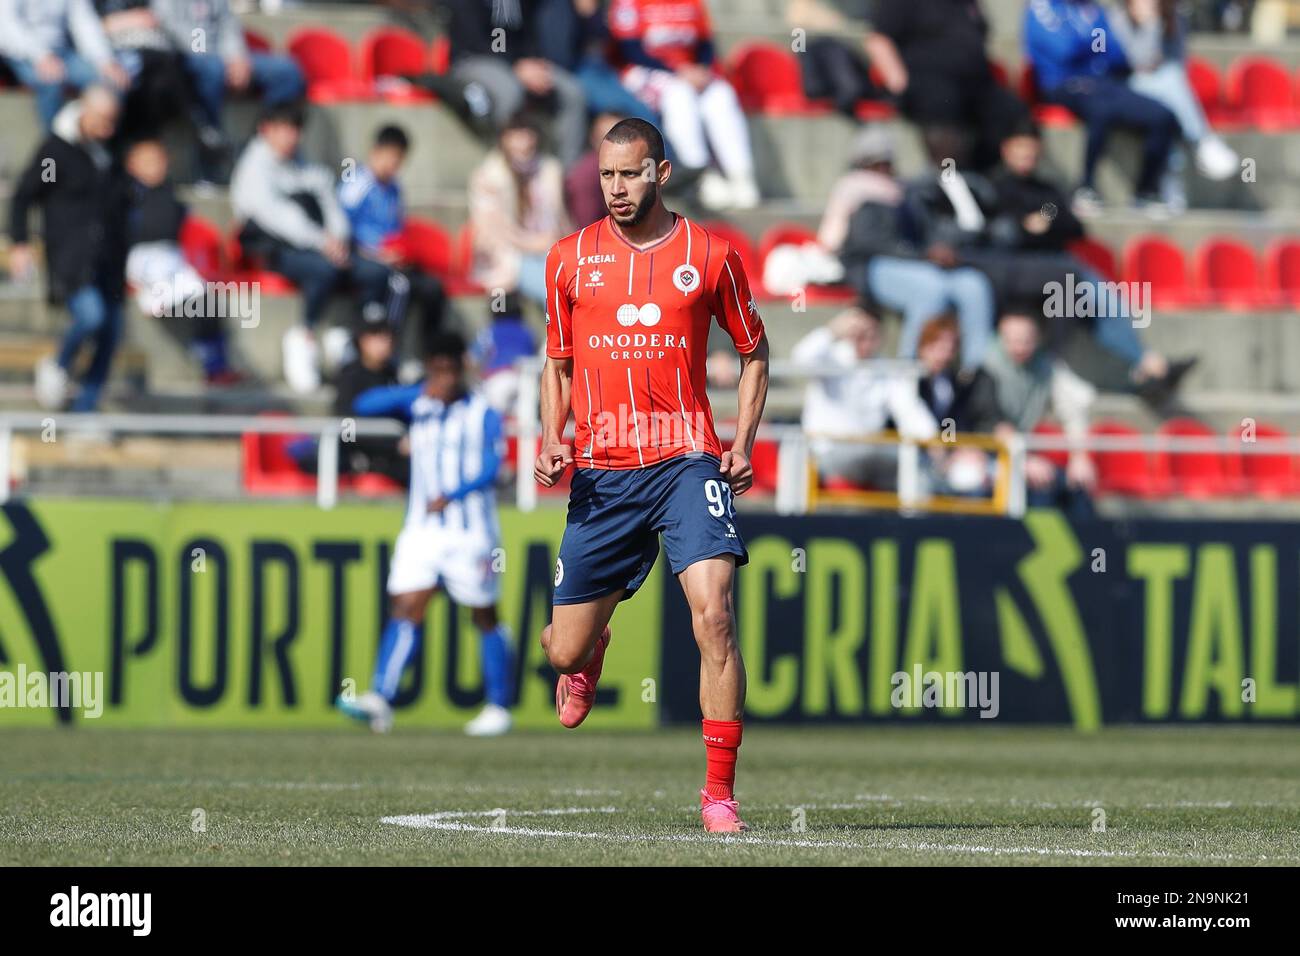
x,y
329,431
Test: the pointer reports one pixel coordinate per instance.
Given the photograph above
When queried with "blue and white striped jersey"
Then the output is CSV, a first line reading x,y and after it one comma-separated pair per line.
x,y
456,452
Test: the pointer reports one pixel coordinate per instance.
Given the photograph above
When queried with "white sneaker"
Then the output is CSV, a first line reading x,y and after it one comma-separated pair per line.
x,y
336,348
744,193
371,708
714,191
51,384
1216,159
492,721
301,356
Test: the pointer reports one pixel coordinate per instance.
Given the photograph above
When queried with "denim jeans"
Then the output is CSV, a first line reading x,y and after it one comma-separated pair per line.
x,y
921,290
78,73
277,77
96,318
1168,84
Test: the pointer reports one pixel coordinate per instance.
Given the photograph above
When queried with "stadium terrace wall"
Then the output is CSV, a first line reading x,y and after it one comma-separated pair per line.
x,y
257,614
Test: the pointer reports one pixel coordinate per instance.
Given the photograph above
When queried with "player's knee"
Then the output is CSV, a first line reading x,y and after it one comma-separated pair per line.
x,y
714,625
567,657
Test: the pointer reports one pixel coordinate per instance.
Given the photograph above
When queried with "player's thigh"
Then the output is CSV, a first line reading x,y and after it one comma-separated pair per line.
x,y
696,516
709,586
414,566
466,570
575,627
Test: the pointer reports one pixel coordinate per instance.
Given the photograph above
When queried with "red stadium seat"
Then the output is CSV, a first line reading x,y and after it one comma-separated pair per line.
x,y
440,54
740,242
790,233
767,80
429,246
1096,255
1129,473
1207,83
870,110
1259,91
391,52
1156,260
201,244
1226,272
1048,114
269,470
326,61
1282,270
462,261
1267,476
1194,474
256,42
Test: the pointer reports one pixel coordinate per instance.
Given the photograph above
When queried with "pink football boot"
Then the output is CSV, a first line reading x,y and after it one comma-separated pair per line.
x,y
721,816
575,693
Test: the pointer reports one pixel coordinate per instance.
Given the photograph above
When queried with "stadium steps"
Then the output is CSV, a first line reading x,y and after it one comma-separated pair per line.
x,y
74,462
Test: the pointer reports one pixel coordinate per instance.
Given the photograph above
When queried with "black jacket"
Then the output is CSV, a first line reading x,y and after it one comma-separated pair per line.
x,y
154,214
544,28
83,209
1018,196
974,406
936,220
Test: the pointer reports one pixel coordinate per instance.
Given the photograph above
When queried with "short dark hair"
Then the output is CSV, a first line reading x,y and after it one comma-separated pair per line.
x,y
634,130
290,112
1025,126
446,345
393,135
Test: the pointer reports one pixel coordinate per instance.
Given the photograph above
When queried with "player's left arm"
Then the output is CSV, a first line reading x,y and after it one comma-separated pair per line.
x,y
738,313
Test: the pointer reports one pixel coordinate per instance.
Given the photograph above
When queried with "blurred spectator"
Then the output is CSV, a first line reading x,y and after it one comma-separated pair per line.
x,y
158,91
600,82
583,196
1030,384
961,403
516,209
1153,36
510,49
373,365
1079,63
831,67
868,226
372,199
53,44
293,223
666,47
83,226
855,400
223,61
1015,227
506,339
930,54
164,283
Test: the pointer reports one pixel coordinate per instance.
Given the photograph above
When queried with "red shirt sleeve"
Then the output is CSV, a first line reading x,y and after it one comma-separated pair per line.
x,y
734,305
559,310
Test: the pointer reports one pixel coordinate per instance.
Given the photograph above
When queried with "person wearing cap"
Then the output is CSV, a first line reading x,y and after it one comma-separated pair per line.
x,y
867,224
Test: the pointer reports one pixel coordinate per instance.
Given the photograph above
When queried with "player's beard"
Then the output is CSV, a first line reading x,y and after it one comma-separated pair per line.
x,y
642,208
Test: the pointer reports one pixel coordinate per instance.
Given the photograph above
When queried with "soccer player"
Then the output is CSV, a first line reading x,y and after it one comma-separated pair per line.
x,y
629,304
450,534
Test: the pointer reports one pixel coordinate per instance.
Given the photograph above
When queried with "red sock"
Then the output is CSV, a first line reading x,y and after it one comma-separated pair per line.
x,y
721,741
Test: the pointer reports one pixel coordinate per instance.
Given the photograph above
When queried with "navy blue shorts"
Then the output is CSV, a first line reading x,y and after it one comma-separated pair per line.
x,y
616,517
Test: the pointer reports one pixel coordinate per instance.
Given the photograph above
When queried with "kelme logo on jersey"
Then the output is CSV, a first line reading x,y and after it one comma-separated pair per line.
x,y
686,278
559,571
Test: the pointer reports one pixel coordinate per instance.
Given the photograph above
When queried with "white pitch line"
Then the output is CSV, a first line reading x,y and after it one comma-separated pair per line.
x,y
451,820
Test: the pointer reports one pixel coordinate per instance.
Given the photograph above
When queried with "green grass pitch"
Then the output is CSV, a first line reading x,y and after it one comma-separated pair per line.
x,y
894,795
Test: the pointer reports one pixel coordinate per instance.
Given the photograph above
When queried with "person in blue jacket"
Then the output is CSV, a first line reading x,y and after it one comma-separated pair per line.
x,y
1078,62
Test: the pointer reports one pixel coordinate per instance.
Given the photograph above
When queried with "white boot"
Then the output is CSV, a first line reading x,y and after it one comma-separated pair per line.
x,y
1216,159
744,192
492,721
301,356
714,191
51,384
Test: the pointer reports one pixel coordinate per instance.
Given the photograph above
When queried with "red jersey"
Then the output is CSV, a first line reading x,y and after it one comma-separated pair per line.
x,y
669,30
636,324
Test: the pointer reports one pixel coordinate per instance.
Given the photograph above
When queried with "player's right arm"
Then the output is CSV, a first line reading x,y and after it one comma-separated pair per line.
x,y
557,374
